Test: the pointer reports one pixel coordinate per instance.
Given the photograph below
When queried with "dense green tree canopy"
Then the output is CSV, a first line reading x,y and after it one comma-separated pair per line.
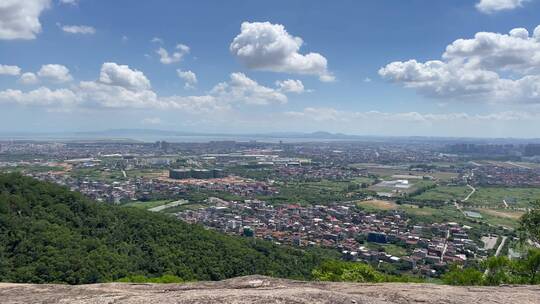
x,y
530,223
50,234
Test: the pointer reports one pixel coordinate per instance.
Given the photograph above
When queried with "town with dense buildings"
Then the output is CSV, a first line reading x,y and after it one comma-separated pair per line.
x,y
430,246
405,207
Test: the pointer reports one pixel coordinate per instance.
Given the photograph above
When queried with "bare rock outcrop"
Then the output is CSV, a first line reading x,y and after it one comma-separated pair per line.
x,y
259,289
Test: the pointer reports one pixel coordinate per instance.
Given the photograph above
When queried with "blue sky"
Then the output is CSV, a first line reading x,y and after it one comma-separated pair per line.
x,y
360,67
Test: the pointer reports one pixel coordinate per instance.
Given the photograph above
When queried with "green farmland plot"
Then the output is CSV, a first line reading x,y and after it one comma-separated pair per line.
x,y
444,193
514,197
147,205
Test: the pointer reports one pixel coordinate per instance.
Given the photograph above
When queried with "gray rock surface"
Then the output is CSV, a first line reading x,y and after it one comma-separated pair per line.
x,y
259,289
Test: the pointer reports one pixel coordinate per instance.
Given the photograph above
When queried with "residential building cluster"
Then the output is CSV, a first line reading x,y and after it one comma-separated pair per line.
x,y
430,247
509,175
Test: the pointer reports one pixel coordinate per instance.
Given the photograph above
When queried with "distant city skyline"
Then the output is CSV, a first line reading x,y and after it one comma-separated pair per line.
x,y
468,68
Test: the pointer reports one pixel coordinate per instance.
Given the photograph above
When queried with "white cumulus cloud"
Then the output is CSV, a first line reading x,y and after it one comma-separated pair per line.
x,y
242,89
19,19
156,40
39,97
123,76
491,67
121,87
291,85
269,47
55,72
204,104
78,29
180,51
103,95
189,77
29,78
492,6
70,2
11,70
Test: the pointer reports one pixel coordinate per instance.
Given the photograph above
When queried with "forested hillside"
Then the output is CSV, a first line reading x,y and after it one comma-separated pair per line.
x,y
50,234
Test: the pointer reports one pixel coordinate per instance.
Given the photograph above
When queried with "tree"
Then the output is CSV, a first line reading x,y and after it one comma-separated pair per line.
x,y
528,267
530,229
533,265
499,270
347,272
463,277
49,234
530,224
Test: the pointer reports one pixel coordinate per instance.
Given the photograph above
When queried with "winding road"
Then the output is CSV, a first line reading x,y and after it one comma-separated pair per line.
x,y
501,245
473,190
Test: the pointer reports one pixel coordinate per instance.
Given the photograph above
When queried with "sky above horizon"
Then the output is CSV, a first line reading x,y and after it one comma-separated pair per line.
x,y
374,67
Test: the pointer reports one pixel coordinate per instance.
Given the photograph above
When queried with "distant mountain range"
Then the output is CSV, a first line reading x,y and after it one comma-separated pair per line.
x,y
130,132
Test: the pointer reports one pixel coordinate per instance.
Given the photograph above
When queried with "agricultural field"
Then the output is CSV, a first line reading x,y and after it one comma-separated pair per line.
x,y
434,215
253,173
168,206
311,192
449,213
418,213
495,217
376,205
388,248
97,174
32,169
515,215
444,193
514,197
386,172
444,176
189,206
320,192
148,173
506,218
363,180
147,205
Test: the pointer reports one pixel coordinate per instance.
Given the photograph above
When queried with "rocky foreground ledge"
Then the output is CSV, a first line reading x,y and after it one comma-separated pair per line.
x,y
259,289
